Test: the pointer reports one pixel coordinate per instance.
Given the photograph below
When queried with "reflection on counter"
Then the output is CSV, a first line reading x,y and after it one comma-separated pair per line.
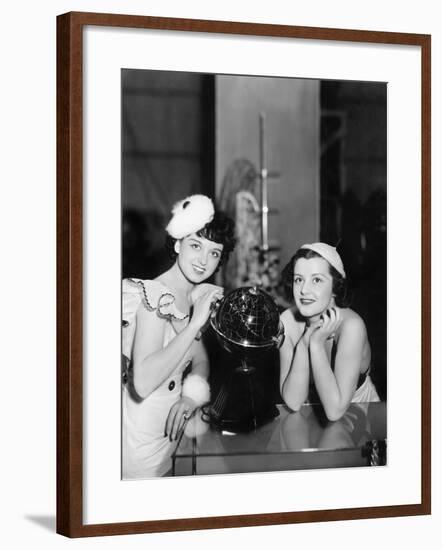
x,y
292,441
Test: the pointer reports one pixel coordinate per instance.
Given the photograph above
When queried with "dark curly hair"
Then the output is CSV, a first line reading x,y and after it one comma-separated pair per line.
x,y
340,287
220,230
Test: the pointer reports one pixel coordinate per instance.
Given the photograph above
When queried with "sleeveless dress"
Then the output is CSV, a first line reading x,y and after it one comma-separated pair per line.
x,y
365,389
145,449
366,392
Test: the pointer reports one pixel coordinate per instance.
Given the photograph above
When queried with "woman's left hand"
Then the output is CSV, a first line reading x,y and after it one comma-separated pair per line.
x,y
331,319
178,414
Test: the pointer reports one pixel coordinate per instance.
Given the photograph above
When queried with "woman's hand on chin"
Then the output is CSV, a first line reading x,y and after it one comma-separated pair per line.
x,y
327,327
309,330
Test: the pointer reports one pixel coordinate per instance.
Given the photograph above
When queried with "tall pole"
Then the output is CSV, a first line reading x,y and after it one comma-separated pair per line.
x,y
263,176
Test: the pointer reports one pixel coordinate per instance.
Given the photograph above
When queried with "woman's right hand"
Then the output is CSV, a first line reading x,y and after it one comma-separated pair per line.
x,y
203,288
309,330
202,305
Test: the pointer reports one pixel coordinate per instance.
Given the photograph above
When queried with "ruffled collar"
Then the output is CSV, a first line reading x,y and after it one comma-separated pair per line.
x,y
157,296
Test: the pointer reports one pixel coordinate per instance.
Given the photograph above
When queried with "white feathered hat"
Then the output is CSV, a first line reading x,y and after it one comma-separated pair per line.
x,y
190,215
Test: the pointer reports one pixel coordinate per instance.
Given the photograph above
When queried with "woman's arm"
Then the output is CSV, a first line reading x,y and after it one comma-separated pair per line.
x,y
336,388
200,360
294,363
195,391
152,363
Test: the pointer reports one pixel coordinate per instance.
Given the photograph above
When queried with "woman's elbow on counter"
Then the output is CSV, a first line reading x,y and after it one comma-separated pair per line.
x,y
334,414
293,404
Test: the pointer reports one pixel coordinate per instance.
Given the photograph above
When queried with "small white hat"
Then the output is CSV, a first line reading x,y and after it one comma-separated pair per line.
x,y
190,215
329,253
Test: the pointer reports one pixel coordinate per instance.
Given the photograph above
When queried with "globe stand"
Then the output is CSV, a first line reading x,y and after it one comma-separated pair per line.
x,y
243,402
247,325
245,367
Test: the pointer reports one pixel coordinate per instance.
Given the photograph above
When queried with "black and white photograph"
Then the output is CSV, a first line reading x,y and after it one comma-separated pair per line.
x,y
254,274
220,237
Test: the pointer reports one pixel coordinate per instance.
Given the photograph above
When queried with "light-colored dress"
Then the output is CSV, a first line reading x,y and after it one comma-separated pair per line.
x,y
145,449
366,392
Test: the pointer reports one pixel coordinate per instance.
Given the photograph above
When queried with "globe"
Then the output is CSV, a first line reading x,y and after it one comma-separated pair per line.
x,y
247,321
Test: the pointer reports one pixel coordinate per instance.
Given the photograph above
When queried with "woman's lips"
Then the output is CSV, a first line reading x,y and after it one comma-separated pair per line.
x,y
198,269
306,301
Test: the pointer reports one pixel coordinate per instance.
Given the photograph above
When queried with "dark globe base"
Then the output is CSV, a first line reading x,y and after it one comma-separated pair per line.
x,y
245,366
242,425
244,401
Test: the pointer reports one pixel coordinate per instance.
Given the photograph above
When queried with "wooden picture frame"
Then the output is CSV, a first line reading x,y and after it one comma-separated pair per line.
x,y
70,272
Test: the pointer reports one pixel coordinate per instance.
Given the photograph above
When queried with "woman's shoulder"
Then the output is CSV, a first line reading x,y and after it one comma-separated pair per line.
x,y
154,295
148,290
290,321
351,321
350,315
288,315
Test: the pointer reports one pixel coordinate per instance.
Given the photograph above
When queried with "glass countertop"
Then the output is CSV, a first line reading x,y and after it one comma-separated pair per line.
x,y
293,440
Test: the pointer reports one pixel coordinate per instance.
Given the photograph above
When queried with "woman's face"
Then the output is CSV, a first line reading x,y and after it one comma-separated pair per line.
x,y
198,257
312,286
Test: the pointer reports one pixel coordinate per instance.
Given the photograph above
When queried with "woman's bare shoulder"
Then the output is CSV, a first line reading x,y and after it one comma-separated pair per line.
x,y
293,326
288,315
351,321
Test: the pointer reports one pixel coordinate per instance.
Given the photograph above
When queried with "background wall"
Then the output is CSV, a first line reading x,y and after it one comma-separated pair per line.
x,y
291,109
167,153
185,133
27,218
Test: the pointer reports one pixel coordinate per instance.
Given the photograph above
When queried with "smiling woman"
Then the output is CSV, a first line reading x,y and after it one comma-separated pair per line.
x,y
165,365
325,340
197,257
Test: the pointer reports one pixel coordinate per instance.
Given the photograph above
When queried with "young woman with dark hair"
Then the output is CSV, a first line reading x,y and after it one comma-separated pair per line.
x,y
162,322
326,345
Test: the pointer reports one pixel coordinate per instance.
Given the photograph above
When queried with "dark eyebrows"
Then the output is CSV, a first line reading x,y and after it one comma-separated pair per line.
x,y
200,241
312,275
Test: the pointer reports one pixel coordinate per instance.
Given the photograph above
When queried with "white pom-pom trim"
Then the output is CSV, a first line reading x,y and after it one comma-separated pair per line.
x,y
197,388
